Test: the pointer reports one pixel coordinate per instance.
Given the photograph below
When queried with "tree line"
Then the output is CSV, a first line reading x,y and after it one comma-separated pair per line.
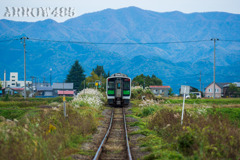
x,y
76,76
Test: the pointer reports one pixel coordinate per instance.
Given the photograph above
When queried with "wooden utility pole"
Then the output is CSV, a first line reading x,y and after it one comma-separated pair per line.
x,y
214,64
200,82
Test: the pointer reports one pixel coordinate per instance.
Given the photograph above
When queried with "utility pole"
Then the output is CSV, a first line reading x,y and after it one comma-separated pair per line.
x,y
84,86
24,46
214,68
4,84
32,82
200,82
203,89
144,84
50,77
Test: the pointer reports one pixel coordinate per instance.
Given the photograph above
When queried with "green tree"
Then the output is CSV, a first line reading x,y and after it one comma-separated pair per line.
x,y
94,77
76,75
100,71
147,80
108,75
171,92
0,84
233,90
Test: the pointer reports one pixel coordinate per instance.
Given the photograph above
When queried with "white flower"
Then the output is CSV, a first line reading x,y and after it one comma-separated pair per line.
x,y
90,97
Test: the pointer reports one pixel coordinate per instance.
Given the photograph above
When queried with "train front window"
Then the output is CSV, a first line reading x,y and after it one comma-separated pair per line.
x,y
126,85
110,85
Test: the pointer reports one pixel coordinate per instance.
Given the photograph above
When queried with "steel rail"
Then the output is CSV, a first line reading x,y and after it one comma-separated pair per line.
x,y
99,151
126,136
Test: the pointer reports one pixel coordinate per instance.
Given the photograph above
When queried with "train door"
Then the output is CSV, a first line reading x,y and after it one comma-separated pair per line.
x,y
118,88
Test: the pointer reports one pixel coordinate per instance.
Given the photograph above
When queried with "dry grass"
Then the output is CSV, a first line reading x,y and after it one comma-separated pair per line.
x,y
47,135
207,137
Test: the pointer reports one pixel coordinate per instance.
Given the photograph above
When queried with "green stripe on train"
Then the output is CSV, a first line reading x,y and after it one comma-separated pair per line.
x,y
110,91
126,92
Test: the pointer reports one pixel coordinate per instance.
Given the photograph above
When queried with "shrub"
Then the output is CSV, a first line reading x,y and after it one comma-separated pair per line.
x,y
17,95
193,96
138,93
187,141
89,97
6,98
146,111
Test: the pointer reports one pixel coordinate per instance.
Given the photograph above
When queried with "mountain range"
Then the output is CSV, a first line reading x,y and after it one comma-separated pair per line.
x,y
174,46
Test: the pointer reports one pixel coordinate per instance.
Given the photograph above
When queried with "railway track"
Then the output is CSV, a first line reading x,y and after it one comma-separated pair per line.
x,y
115,145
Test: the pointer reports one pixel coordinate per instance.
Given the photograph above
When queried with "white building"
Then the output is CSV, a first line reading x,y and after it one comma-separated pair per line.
x,y
13,82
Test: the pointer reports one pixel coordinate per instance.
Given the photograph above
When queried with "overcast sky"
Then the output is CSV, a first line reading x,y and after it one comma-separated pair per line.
x,y
86,6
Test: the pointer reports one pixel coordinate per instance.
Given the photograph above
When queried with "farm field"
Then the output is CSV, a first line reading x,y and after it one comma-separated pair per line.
x,y
210,128
37,128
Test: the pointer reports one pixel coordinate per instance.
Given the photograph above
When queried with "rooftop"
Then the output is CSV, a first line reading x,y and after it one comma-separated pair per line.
x,y
221,85
66,92
159,87
237,83
62,86
44,88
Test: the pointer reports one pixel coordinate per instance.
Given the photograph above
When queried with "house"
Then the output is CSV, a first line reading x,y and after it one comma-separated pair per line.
x,y
12,91
226,92
160,90
44,91
14,82
218,90
189,89
63,87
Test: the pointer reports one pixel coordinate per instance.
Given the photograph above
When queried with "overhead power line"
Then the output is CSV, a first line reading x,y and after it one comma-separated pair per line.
x,y
7,40
118,43
230,40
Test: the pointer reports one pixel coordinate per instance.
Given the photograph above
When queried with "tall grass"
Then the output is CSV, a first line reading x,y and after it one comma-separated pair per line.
x,y
47,134
206,101
209,131
211,137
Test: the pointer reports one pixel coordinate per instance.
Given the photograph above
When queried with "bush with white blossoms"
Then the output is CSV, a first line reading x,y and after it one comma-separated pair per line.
x,y
88,97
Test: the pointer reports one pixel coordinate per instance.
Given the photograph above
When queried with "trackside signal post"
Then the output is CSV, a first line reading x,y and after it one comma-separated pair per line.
x,y
64,103
64,106
97,83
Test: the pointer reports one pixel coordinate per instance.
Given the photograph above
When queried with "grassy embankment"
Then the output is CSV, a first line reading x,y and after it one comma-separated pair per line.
x,y
44,133
210,130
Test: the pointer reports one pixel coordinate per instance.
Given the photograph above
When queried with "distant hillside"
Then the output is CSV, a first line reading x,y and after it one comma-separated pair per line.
x,y
175,63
